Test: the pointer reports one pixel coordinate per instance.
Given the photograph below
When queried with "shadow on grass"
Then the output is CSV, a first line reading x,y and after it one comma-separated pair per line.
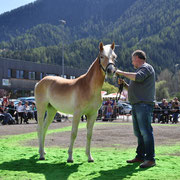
x,y
49,170
120,173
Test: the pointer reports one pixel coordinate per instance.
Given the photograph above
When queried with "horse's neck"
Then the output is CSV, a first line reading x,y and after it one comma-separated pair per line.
x,y
95,76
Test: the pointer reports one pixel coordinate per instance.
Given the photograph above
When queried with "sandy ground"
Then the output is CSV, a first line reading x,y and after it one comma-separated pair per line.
x,y
118,133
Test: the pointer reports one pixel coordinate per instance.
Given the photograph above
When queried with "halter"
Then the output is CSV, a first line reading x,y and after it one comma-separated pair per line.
x,y
105,70
121,86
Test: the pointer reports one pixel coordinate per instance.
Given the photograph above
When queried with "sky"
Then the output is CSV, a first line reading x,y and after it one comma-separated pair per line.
x,y
8,5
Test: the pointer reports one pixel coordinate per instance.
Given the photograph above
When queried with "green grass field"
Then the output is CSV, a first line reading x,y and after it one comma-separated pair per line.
x,y
19,162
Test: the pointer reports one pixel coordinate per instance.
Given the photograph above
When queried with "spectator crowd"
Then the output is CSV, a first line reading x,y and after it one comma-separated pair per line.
x,y
112,109
164,111
21,113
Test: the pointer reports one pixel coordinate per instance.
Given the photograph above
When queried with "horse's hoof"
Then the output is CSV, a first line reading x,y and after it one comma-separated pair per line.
x,y
41,158
91,160
70,161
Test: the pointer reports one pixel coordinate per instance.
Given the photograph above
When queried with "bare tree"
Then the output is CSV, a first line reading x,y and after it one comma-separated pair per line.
x,y
172,80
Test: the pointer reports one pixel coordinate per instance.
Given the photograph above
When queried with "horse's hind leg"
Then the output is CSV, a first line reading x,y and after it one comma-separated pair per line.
x,y
41,109
43,126
90,123
75,123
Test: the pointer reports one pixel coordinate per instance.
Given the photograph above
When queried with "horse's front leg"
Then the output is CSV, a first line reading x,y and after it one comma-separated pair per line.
x,y
90,123
75,123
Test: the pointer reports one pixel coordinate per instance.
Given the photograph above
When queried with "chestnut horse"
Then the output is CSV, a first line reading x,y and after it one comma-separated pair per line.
x,y
80,96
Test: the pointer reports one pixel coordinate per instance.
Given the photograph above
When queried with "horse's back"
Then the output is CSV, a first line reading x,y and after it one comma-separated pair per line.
x,y
50,81
57,91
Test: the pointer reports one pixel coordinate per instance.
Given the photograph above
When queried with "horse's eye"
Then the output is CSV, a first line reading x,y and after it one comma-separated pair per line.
x,y
114,57
102,57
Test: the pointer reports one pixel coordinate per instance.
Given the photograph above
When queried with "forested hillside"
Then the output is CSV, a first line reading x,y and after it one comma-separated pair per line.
x,y
34,32
82,16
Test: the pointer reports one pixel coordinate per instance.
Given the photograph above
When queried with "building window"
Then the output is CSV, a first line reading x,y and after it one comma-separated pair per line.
x,y
19,74
64,76
31,75
50,74
9,73
41,75
72,77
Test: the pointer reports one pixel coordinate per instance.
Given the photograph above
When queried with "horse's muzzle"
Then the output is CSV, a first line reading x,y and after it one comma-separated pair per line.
x,y
111,69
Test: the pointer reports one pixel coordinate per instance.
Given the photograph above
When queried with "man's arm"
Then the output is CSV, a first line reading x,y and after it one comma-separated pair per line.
x,y
129,75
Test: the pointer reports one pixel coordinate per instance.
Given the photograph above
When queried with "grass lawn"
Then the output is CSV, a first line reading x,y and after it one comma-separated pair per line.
x,y
19,162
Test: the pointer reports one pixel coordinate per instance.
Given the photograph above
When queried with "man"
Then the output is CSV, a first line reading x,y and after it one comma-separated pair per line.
x,y
175,110
141,94
19,112
27,114
11,109
156,113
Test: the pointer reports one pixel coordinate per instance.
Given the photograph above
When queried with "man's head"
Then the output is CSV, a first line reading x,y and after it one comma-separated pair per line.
x,y
138,58
175,99
12,103
20,103
26,103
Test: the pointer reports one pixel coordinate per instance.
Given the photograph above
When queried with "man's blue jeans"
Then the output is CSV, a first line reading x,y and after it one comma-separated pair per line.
x,y
142,117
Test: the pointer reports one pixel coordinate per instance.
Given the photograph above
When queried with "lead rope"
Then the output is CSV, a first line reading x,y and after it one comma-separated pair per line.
x,y
120,89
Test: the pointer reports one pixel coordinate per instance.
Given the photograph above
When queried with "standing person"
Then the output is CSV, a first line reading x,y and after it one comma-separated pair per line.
x,y
175,110
19,112
156,113
109,112
27,114
6,98
141,94
165,112
34,110
11,109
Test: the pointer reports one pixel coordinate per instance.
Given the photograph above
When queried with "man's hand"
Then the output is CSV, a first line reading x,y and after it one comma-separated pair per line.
x,y
118,72
128,75
122,81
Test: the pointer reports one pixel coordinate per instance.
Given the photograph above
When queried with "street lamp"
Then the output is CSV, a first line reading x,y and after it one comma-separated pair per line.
x,y
176,66
176,76
63,22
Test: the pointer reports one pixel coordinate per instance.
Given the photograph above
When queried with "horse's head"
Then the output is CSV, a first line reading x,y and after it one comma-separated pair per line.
x,y
107,58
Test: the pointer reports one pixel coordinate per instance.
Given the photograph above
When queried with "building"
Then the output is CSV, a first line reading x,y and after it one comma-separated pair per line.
x,y
19,77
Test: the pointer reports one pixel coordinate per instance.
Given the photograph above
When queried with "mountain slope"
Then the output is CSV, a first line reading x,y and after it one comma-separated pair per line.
x,y
151,25
74,12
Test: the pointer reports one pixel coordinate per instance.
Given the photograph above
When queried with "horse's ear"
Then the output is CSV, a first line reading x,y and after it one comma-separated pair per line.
x,y
113,45
101,46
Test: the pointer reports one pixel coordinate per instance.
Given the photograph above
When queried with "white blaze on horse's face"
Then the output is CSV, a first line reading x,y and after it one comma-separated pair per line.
x,y
107,57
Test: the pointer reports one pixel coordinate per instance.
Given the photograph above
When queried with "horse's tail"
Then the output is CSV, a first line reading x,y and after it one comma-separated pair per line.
x,y
41,97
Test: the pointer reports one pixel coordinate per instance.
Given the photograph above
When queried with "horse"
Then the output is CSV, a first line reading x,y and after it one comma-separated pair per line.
x,y
80,96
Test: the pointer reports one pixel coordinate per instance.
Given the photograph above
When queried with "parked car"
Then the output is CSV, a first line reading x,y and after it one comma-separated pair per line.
x,y
32,98
126,108
16,101
29,99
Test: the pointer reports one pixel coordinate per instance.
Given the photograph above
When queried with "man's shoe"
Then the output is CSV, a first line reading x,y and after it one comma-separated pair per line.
x,y
135,160
147,164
